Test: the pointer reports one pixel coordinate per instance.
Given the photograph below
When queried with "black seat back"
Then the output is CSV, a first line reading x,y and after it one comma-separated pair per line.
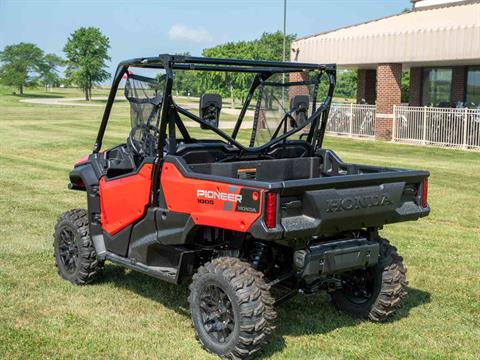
x,y
299,105
210,106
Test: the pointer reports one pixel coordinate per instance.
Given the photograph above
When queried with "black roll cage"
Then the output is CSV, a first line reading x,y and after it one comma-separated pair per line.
x,y
263,70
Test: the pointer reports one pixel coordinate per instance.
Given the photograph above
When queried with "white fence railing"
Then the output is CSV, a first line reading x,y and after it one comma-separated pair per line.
x,y
355,120
437,126
447,127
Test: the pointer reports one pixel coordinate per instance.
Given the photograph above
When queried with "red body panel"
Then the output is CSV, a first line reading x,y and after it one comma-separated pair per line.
x,y
122,201
82,160
182,195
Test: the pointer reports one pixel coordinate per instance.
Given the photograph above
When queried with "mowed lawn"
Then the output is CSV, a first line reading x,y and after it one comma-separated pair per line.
x,y
128,315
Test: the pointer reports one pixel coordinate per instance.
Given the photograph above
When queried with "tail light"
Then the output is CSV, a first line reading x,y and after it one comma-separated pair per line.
x,y
424,193
270,216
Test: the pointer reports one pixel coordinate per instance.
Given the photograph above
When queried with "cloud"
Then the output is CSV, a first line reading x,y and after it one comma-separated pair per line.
x,y
193,34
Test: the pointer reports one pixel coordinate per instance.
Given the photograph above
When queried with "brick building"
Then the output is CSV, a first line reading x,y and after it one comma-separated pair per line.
x,y
437,42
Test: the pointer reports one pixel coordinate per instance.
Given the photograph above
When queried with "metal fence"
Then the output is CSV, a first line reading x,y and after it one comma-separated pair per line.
x,y
459,128
447,127
354,120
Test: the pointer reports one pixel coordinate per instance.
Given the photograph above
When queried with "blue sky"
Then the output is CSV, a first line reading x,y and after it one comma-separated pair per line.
x,y
147,28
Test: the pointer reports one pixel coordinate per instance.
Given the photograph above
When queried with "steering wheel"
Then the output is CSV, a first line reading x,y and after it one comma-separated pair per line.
x,y
147,144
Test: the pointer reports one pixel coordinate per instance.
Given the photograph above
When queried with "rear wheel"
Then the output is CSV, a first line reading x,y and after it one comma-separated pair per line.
x,y
74,253
232,309
377,292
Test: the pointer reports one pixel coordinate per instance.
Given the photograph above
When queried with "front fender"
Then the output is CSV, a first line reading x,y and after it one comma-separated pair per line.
x,y
84,178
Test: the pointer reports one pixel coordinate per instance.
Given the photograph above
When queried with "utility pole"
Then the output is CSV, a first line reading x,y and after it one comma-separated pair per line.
x,y
284,29
284,46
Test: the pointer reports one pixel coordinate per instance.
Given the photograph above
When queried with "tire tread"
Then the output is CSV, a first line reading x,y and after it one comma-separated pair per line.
x,y
392,292
90,266
257,312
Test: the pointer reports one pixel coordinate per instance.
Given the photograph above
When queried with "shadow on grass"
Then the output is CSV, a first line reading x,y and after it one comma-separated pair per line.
x,y
172,296
315,314
303,315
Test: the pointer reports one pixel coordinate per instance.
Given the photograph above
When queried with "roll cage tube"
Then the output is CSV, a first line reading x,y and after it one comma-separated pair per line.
x,y
315,137
121,70
264,69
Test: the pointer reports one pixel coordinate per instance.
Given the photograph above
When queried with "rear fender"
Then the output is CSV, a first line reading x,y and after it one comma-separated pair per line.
x,y
211,203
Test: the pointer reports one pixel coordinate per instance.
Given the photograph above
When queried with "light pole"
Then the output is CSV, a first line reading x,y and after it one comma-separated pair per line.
x,y
284,46
284,29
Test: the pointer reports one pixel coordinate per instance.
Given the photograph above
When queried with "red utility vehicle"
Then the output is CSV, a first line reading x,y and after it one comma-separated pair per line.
x,y
252,216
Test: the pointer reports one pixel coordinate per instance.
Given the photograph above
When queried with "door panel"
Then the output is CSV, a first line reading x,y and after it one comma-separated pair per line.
x,y
123,200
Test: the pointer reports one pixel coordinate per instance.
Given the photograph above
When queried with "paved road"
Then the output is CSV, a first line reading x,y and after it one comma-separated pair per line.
x,y
247,124
64,101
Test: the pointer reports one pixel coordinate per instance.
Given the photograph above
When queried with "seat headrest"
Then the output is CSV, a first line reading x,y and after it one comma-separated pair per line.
x,y
210,106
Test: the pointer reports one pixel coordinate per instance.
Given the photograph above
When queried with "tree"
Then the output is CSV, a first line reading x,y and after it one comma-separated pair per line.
x,y
48,70
235,85
405,86
346,86
87,52
19,63
270,46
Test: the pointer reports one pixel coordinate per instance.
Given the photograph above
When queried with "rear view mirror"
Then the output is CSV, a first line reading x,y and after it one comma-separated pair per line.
x,y
210,106
299,109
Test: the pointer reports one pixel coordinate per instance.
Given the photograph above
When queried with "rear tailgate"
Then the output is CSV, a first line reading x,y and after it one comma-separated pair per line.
x,y
350,202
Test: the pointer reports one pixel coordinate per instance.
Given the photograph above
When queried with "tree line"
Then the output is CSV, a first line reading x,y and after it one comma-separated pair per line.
x,y
86,56
235,85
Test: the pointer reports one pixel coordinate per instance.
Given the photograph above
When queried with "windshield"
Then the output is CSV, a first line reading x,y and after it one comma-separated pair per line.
x,y
247,110
282,103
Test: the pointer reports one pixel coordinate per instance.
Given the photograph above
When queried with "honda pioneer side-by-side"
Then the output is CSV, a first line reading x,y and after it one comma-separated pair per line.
x,y
232,190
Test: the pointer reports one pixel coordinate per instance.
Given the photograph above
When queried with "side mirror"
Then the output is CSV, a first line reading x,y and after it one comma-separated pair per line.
x,y
210,106
299,106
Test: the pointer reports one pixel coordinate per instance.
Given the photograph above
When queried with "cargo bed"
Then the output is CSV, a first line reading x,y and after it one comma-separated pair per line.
x,y
321,195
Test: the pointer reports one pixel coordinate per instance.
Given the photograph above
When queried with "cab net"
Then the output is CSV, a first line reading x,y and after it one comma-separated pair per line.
x,y
145,96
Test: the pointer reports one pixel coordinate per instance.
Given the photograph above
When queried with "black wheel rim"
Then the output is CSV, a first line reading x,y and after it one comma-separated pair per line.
x,y
358,286
217,314
68,250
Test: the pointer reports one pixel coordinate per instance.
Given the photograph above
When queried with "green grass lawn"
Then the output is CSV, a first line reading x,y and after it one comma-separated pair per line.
x,y
129,315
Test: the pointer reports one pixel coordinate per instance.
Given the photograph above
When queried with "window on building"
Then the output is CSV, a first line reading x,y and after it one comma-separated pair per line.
x,y
473,86
437,87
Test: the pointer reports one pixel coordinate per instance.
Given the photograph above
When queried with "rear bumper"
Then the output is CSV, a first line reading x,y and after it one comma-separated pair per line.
x,y
304,226
336,256
326,212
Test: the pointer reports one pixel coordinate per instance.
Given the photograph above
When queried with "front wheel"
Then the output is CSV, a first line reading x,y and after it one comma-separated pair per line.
x,y
377,292
74,253
232,309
